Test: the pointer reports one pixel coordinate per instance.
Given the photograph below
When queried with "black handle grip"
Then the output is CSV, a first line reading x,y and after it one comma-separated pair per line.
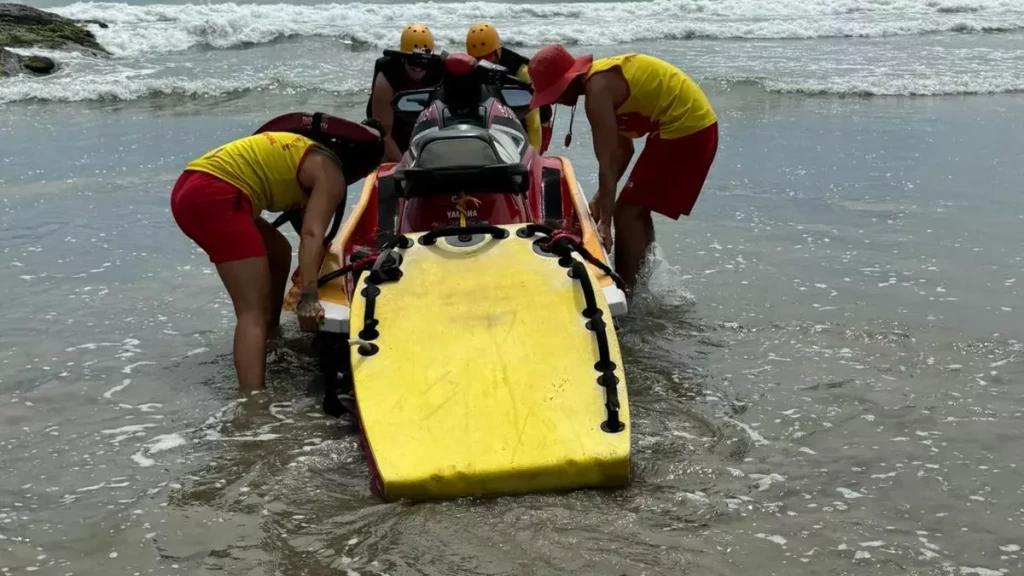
x,y
431,237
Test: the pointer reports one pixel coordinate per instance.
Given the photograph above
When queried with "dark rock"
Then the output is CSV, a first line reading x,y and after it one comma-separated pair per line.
x,y
27,27
103,25
12,64
39,64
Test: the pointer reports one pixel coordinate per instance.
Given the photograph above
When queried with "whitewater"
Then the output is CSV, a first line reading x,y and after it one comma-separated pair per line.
x,y
822,47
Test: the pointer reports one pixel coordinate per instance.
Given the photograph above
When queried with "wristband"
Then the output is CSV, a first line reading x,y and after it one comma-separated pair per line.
x,y
309,293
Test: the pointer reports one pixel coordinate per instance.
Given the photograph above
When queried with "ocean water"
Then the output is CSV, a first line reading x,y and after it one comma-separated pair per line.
x,y
825,368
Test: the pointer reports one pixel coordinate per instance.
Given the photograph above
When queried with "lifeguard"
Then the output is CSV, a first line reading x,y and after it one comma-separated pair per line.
x,y
627,97
218,200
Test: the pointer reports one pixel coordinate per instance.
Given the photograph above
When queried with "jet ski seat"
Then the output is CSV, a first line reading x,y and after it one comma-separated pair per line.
x,y
462,145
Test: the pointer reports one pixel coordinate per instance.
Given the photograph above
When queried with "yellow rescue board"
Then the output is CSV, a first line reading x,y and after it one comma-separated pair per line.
x,y
484,380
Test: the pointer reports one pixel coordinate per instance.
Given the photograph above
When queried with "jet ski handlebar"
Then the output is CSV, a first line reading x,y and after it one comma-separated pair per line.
x,y
458,64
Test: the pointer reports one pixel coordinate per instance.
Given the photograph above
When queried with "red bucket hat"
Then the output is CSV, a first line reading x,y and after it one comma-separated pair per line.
x,y
551,70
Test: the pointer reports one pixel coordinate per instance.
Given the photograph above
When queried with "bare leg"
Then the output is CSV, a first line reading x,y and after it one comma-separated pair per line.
x,y
279,253
649,227
248,284
634,232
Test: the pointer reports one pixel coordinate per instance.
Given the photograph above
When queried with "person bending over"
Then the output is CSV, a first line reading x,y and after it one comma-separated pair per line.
x,y
629,96
217,202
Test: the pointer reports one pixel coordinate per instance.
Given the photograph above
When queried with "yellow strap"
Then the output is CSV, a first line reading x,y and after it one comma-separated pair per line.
x,y
461,206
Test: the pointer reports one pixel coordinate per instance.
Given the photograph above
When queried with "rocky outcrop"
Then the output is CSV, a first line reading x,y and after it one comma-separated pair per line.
x,y
27,27
39,64
11,64
23,26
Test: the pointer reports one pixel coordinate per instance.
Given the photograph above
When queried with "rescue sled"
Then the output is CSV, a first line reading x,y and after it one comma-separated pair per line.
x,y
469,307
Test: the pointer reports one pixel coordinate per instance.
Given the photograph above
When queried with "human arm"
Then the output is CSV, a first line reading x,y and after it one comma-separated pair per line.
x,y
533,132
382,112
600,108
321,174
625,154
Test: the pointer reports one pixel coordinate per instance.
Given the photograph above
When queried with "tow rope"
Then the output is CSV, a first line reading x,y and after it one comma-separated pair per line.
x,y
384,266
561,242
357,266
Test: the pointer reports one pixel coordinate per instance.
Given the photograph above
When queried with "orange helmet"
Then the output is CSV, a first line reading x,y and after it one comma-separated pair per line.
x,y
417,37
482,40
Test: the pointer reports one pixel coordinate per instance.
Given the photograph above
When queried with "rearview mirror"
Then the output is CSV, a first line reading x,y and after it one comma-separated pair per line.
x,y
411,102
517,98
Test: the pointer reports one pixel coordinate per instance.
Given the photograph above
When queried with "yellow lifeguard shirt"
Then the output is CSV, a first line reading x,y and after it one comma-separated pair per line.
x,y
264,166
662,98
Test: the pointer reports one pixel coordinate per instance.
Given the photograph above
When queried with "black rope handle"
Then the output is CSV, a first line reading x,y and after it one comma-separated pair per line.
x,y
387,266
564,243
431,237
378,275
530,230
369,331
357,266
604,365
398,241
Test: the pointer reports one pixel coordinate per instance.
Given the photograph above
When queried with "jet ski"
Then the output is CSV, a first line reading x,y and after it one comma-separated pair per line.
x,y
470,308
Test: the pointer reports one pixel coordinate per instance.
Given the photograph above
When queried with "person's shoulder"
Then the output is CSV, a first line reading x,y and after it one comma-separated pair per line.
x,y
522,74
599,81
653,62
381,80
325,154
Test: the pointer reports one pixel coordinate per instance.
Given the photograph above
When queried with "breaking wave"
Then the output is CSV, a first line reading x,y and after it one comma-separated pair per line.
x,y
88,89
163,51
884,86
166,28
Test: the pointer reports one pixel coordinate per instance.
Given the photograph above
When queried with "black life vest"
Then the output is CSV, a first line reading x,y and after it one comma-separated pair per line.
x,y
393,71
513,61
359,148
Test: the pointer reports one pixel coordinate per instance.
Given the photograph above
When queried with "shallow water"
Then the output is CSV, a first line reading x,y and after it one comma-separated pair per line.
x,y
824,372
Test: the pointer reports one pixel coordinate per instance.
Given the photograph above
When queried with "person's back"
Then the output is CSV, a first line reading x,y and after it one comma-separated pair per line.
x,y
219,197
662,97
626,97
263,165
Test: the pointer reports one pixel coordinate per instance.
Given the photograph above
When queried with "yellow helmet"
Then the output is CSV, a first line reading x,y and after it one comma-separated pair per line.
x,y
417,37
482,40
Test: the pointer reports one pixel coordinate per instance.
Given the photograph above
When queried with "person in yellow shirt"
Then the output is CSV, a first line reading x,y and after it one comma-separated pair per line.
x,y
626,97
483,43
217,202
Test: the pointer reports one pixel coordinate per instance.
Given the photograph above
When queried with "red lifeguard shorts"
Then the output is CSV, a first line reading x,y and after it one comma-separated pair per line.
x,y
217,216
669,174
